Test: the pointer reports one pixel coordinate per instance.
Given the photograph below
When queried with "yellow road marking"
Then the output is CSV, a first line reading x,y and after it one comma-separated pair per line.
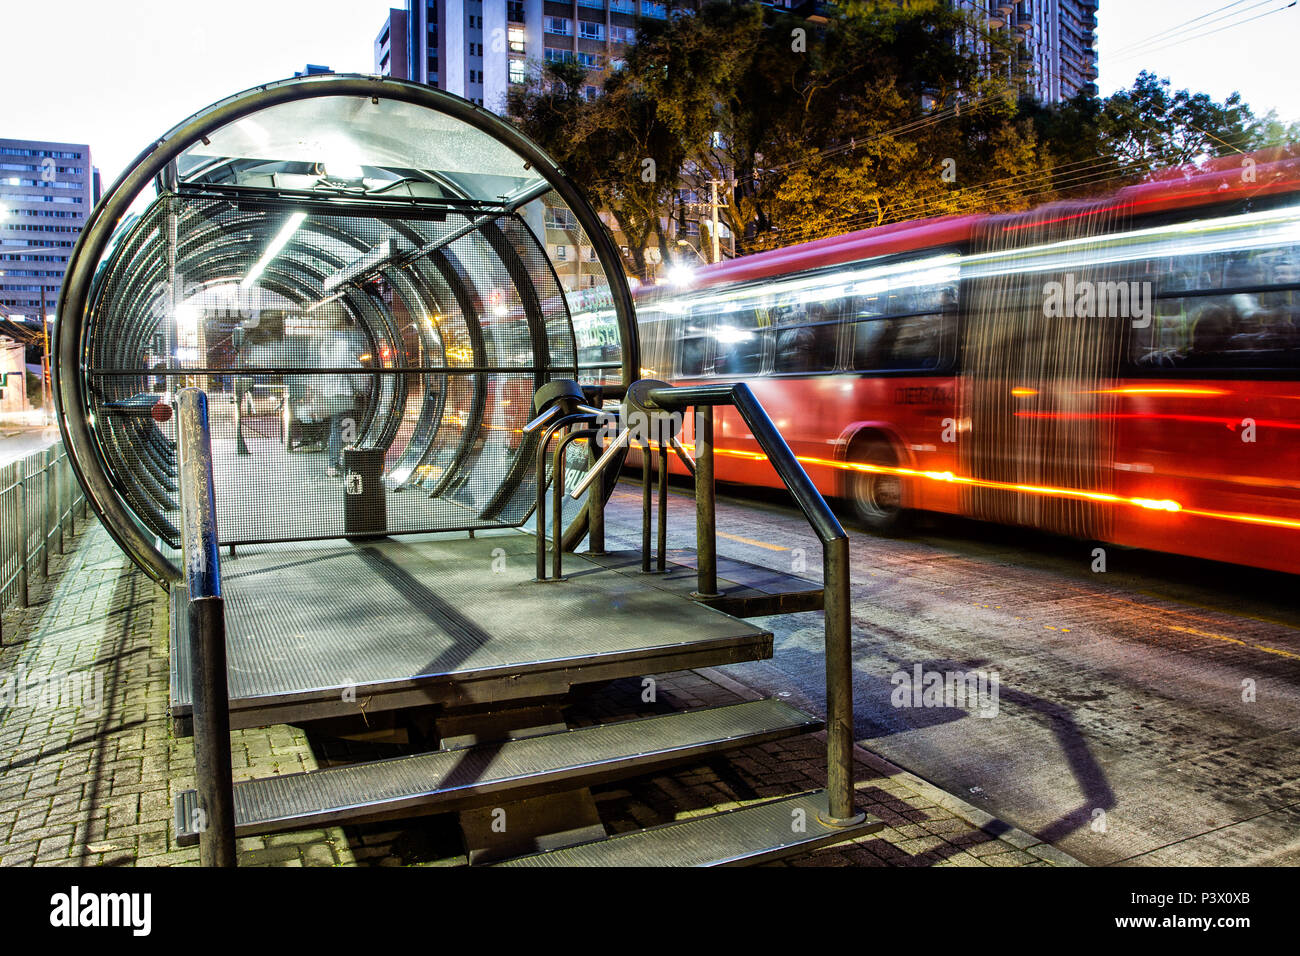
x,y
1234,640
757,544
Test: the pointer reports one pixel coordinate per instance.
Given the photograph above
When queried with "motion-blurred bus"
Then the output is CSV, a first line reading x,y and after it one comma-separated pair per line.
x,y
1123,370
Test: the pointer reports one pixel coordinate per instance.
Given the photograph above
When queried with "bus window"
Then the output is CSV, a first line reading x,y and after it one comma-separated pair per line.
x,y
1220,331
904,343
1253,323
658,332
695,345
806,343
738,347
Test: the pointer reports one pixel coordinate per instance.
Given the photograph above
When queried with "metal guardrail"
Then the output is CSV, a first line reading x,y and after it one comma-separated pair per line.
x,y
207,632
40,502
651,398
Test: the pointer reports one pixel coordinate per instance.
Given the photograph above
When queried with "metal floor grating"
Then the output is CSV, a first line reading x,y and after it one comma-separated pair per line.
x,y
745,836
452,779
323,629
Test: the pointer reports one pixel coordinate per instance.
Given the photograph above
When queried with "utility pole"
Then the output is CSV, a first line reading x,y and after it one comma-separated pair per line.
x,y
47,384
713,232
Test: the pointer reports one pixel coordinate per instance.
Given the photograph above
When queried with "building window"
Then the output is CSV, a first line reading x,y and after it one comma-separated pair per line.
x,y
622,34
617,64
516,40
562,252
515,12
590,60
655,11
558,217
560,26
558,56
623,6
594,4
518,73
590,92
591,31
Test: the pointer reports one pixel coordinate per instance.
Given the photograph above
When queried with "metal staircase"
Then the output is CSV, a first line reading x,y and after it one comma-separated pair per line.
x,y
520,757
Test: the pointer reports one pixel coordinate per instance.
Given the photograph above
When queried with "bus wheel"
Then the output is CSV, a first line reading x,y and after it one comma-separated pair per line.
x,y
877,498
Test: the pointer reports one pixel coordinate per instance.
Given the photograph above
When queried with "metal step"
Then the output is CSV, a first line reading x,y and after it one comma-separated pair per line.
x,y
447,780
741,837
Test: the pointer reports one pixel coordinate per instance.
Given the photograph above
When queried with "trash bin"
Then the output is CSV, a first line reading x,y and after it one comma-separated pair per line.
x,y
364,507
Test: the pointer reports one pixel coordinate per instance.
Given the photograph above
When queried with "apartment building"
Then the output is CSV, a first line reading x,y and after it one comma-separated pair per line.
x,y
46,193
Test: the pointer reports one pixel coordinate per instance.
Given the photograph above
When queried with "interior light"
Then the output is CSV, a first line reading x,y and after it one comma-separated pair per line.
x,y
281,239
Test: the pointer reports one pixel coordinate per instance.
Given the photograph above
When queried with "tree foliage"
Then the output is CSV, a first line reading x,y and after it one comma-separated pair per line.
x,y
886,112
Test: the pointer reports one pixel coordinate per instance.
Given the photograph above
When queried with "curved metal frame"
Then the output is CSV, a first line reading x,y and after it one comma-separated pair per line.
x,y
70,395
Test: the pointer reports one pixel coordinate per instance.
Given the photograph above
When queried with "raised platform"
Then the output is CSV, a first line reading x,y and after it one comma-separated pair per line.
x,y
744,590
335,628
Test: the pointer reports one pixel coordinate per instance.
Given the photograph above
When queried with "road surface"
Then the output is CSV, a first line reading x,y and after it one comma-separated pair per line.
x,y
1146,715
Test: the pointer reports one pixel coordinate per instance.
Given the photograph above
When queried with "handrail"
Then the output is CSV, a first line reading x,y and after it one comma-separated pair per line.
x,y
835,560
215,815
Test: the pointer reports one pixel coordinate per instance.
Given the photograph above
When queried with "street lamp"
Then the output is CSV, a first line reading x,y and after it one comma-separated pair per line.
x,y
683,242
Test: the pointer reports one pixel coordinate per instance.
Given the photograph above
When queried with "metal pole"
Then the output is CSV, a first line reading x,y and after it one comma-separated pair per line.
x,y
706,520
645,506
212,773
540,511
207,637
46,524
71,480
558,469
58,503
22,538
662,556
595,507
839,684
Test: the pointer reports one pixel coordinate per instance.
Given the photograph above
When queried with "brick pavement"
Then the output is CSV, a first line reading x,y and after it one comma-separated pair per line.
x,y
88,779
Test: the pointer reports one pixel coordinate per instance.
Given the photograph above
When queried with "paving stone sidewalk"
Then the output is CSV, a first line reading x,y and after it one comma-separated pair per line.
x,y
89,767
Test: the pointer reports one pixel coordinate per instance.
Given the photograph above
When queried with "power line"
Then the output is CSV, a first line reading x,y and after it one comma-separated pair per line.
x,y
1164,34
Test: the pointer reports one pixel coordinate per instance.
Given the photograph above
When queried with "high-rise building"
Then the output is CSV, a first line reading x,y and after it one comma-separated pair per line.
x,y
1054,40
478,48
46,193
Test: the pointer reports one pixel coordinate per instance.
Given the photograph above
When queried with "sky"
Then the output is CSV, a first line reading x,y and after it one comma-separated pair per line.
x,y
117,74
1248,47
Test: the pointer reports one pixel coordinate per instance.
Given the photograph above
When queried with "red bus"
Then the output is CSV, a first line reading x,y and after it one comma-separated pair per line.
x,y
1124,370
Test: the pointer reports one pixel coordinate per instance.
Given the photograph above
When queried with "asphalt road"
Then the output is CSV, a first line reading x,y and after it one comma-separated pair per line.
x,y
1147,715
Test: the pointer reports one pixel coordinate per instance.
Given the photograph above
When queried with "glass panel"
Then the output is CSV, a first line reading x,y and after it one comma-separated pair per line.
x,y
349,140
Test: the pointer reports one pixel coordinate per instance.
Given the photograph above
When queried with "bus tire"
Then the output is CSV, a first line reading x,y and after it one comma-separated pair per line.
x,y
876,499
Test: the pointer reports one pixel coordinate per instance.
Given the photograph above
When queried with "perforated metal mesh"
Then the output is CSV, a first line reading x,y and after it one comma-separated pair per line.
x,y
415,333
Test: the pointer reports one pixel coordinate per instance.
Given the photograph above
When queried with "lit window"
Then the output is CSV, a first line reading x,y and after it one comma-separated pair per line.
x,y
517,72
516,40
